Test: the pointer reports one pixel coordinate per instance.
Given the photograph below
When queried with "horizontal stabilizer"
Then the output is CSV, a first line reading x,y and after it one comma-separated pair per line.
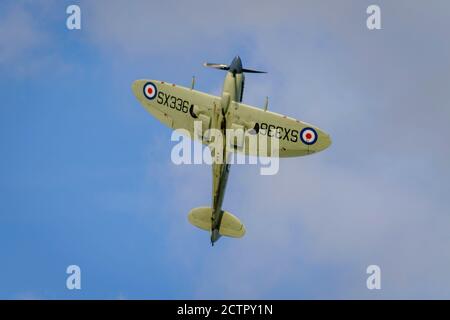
x,y
230,226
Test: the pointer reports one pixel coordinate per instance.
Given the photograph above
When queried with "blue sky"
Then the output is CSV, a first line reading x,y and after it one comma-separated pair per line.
x,y
86,175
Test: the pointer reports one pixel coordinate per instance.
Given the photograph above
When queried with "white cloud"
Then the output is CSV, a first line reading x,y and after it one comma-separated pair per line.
x,y
19,37
27,46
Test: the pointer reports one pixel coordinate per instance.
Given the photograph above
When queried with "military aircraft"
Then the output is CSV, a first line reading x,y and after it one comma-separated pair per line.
x,y
179,107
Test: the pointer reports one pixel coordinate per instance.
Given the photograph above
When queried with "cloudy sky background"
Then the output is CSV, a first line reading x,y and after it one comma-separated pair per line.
x,y
86,175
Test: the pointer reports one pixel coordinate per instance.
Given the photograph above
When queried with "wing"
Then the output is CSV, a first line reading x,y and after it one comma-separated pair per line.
x,y
176,106
296,138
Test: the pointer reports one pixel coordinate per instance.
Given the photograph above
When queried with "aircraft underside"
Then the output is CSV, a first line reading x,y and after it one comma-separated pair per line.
x,y
181,108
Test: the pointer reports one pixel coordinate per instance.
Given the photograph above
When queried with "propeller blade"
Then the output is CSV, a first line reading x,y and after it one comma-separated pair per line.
x,y
226,67
219,66
252,71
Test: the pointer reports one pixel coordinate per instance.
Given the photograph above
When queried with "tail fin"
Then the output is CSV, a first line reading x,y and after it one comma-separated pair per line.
x,y
230,226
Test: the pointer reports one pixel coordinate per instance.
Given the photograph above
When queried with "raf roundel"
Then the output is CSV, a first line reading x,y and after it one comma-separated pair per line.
x,y
308,136
150,91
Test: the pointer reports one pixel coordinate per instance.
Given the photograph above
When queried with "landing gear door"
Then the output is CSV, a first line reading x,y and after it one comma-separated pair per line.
x,y
206,125
237,136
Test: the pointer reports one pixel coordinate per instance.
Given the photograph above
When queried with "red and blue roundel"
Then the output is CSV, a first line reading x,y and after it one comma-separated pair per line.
x,y
150,90
308,136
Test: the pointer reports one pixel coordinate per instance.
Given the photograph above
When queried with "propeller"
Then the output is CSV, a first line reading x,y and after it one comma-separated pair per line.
x,y
234,67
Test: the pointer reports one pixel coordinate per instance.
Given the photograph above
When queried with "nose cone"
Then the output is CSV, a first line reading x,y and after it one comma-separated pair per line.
x,y
236,65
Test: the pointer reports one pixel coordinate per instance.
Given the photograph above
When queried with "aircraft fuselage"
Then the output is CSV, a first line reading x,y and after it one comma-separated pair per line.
x,y
233,88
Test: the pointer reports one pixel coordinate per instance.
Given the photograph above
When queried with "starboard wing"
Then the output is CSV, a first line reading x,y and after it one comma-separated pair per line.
x,y
295,137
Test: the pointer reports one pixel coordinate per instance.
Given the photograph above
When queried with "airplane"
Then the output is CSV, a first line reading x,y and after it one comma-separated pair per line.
x,y
179,107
